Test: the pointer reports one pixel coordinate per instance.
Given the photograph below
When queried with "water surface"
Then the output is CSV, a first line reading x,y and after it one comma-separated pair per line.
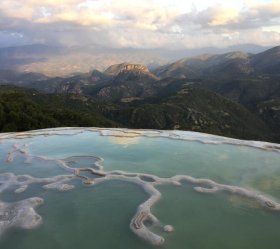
x,y
98,216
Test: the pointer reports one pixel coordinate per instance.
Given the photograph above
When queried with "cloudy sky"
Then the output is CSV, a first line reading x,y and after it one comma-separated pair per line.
x,y
140,24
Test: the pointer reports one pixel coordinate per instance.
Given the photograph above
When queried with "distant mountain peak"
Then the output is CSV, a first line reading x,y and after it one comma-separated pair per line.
x,y
135,67
126,67
135,72
237,55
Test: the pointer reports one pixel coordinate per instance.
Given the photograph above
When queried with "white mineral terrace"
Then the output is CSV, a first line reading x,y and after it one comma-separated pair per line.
x,y
130,133
22,214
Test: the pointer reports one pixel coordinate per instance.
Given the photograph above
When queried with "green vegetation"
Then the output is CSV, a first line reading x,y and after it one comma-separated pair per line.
x,y
22,110
259,94
189,108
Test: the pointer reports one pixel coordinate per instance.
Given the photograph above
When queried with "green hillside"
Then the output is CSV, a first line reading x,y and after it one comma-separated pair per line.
x,y
189,108
22,110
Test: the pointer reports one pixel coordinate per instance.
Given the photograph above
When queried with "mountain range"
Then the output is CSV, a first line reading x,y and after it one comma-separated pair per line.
x,y
235,94
56,61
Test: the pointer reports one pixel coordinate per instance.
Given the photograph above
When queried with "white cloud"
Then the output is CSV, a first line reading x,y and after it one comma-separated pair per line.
x,y
146,23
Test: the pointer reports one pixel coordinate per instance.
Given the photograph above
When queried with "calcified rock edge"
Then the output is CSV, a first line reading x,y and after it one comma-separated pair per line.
x,y
22,213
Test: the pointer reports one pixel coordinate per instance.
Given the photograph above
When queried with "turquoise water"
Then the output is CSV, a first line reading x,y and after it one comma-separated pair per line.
x,y
215,221
98,216
83,218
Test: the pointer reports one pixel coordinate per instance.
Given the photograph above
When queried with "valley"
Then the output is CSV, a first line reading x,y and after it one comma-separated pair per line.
x,y
235,94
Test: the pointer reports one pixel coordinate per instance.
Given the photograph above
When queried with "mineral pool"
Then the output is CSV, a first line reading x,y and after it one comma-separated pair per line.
x,y
118,188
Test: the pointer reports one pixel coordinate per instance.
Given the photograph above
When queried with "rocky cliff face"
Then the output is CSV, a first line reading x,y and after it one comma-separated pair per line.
x,y
135,67
129,81
114,70
135,72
